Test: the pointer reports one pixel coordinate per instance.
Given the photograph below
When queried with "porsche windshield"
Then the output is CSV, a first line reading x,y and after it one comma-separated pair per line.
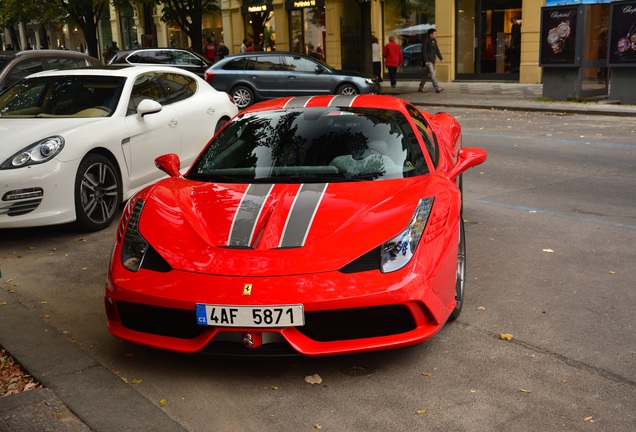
x,y
62,96
312,145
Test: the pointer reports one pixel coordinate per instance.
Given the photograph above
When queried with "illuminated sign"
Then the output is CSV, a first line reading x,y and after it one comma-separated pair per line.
x,y
257,8
301,4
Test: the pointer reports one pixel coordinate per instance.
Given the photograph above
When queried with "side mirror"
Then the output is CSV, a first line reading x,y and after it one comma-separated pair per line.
x,y
467,158
319,69
148,106
170,164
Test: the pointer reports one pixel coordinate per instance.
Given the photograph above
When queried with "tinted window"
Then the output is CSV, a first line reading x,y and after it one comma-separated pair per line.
x,y
430,140
156,57
65,63
177,87
147,86
269,63
184,58
24,69
313,144
237,64
300,64
72,96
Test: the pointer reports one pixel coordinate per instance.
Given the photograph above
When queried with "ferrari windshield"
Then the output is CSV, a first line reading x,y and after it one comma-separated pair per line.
x,y
312,145
62,96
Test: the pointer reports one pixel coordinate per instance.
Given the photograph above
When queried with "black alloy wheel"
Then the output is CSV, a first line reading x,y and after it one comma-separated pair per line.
x,y
98,193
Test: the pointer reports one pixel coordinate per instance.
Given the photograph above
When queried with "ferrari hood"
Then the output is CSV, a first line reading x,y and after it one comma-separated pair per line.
x,y
267,229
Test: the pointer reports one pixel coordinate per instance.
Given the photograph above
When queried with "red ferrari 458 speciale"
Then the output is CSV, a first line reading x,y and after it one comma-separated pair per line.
x,y
313,225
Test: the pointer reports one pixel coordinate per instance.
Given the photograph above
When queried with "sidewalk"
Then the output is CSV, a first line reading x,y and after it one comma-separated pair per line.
x,y
500,96
81,394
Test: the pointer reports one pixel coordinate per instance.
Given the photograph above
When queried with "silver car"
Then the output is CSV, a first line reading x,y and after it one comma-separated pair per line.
x,y
255,76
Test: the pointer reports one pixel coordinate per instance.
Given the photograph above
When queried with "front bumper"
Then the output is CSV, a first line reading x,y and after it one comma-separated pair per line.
x,y
344,313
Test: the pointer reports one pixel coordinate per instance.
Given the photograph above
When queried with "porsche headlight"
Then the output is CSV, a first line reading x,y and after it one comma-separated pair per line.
x,y
36,153
397,252
134,246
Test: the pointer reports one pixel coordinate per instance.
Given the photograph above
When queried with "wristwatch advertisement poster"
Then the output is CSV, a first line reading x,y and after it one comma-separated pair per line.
x,y
622,41
558,36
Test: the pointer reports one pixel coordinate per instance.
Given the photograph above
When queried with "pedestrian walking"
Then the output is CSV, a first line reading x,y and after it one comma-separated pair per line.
x,y
376,54
222,51
210,49
430,52
392,59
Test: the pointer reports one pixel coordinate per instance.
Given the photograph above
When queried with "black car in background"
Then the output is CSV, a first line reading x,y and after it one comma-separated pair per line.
x,y
15,65
180,58
254,76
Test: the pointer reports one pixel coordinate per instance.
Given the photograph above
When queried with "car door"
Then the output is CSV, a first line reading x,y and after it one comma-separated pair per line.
x,y
306,77
268,75
197,116
149,136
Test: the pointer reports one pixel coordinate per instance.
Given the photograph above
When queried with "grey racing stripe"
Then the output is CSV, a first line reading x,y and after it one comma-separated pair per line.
x,y
298,102
342,101
247,214
302,213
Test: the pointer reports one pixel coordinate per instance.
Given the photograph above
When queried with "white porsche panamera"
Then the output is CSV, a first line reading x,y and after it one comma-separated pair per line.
x,y
76,143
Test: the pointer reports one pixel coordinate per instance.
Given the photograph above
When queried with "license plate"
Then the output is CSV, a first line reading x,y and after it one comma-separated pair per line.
x,y
250,316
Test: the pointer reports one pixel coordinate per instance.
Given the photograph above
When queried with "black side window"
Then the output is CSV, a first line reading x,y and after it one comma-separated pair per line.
x,y
430,140
177,87
147,86
24,69
270,63
238,64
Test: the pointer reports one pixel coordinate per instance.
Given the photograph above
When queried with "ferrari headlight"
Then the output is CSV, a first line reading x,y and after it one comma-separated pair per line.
x,y
36,153
397,252
134,246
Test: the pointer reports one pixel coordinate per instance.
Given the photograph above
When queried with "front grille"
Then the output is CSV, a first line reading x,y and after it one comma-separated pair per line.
x,y
160,321
22,207
348,324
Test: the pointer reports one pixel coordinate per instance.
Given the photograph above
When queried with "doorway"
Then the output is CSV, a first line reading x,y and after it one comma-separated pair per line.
x,y
488,39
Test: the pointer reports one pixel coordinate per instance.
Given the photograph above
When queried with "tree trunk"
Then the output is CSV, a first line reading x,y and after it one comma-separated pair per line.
x,y
366,67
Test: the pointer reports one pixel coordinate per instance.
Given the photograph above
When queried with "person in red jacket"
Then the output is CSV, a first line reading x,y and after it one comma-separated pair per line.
x,y
392,59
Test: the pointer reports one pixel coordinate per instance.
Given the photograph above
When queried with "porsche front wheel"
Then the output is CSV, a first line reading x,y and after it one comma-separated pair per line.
x,y
98,193
460,275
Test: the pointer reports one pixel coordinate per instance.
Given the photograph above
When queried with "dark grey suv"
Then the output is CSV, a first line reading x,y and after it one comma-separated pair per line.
x,y
255,76
15,65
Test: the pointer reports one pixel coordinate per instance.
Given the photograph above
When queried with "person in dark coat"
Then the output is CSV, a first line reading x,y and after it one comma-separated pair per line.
x,y
430,52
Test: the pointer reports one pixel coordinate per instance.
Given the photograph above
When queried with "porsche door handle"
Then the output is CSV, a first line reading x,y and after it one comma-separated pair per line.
x,y
173,123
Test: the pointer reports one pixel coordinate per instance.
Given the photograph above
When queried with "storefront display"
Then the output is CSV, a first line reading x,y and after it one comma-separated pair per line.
x,y
558,36
622,43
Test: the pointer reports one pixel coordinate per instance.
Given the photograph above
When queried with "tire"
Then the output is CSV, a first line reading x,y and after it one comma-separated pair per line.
x,y
347,90
98,193
460,275
220,124
243,96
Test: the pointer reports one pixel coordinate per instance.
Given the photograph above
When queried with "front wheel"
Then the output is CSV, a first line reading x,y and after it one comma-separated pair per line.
x,y
460,275
243,97
98,193
347,90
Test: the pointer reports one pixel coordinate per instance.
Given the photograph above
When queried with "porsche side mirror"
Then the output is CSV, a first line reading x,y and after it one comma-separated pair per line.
x,y
148,106
170,164
467,158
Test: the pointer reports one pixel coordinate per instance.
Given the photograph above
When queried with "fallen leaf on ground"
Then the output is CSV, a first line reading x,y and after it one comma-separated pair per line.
x,y
422,411
505,336
524,391
548,251
589,419
163,402
427,374
313,379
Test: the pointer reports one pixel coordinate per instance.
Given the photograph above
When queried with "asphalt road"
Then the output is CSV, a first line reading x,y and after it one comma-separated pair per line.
x,y
551,228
